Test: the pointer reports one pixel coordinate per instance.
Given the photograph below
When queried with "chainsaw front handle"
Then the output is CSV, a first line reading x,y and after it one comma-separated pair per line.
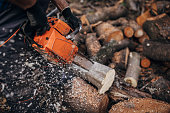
x,y
72,35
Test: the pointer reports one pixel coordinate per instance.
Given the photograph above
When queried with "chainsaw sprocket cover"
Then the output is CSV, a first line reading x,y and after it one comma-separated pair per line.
x,y
54,44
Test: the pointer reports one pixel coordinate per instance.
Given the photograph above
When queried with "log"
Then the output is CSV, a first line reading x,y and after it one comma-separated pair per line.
x,y
99,75
140,105
106,32
156,50
106,52
133,70
158,28
92,44
128,32
119,10
121,58
83,98
145,62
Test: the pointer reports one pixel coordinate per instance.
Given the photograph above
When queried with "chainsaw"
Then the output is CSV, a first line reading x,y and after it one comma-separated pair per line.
x,y
58,47
57,43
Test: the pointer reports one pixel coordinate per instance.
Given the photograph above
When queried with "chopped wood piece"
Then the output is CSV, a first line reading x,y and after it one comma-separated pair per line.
x,y
117,35
128,31
142,18
99,75
156,50
145,62
106,13
139,33
106,52
133,70
107,32
121,58
92,44
139,105
158,28
82,97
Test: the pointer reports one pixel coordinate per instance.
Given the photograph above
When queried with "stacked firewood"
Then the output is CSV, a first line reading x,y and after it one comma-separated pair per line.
x,y
132,37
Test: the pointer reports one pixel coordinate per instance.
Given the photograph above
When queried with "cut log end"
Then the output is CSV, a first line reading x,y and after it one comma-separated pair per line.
x,y
128,31
139,33
145,62
107,82
131,81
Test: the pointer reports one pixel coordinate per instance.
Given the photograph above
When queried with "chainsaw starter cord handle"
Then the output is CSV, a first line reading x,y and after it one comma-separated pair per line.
x,y
72,20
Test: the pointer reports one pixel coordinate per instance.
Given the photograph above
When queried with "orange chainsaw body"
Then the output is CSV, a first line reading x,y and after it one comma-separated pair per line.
x,y
54,43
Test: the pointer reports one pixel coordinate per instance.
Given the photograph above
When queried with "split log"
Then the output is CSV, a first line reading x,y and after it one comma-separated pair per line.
x,y
136,105
106,52
133,70
99,75
107,32
159,88
128,32
82,97
121,58
156,50
158,28
119,10
145,62
92,44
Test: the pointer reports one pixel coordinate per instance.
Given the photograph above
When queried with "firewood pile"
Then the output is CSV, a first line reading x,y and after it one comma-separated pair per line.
x,y
132,37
